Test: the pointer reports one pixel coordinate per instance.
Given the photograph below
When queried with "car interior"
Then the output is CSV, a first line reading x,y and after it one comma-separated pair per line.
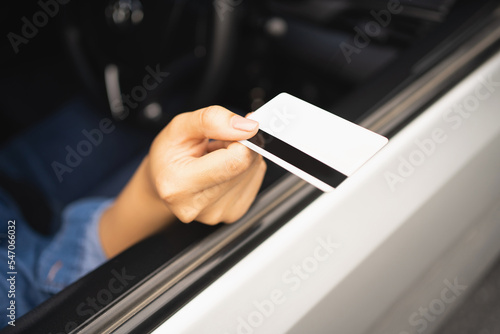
x,y
234,53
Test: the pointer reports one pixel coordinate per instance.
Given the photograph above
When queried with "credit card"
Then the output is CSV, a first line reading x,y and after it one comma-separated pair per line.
x,y
312,143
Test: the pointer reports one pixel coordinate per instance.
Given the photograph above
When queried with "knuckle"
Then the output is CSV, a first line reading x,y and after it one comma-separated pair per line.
x,y
178,118
184,205
167,190
211,222
206,116
203,117
186,214
172,191
232,218
212,218
240,159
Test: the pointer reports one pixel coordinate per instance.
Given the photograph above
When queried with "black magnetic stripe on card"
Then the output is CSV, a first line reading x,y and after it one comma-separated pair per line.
x,y
297,158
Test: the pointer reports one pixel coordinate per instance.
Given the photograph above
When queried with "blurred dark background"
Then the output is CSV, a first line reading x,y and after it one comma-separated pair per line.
x,y
235,53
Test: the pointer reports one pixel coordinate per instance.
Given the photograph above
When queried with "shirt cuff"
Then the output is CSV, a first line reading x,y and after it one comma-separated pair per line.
x,y
76,249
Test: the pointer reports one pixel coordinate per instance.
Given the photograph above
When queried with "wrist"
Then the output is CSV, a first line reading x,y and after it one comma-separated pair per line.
x,y
137,213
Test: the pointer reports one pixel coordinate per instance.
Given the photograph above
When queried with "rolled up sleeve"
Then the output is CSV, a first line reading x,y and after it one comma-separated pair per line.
x,y
76,249
44,265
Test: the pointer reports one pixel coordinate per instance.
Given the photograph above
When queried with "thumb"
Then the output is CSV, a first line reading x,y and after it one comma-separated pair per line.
x,y
214,122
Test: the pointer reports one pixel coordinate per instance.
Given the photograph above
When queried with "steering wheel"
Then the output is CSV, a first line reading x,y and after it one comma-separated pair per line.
x,y
152,59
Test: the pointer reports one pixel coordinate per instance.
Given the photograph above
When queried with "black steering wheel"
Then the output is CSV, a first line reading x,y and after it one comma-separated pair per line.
x,y
152,59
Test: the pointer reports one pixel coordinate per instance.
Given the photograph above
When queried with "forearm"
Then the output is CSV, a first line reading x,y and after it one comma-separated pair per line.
x,y
137,213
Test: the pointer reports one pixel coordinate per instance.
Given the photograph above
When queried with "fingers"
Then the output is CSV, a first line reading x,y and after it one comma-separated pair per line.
x,y
221,165
208,181
213,122
184,141
210,205
236,198
241,199
188,181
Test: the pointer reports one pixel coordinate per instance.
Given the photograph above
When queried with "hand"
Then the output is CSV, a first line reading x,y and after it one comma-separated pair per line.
x,y
189,177
210,182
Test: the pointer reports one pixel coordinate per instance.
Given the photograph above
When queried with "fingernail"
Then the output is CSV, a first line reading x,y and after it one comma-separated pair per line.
x,y
243,124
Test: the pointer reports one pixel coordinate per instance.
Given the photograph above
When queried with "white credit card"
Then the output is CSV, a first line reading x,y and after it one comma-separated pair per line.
x,y
321,148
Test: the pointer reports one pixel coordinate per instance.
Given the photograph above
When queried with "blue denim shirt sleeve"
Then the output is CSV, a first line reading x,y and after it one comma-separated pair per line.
x,y
45,265
76,249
